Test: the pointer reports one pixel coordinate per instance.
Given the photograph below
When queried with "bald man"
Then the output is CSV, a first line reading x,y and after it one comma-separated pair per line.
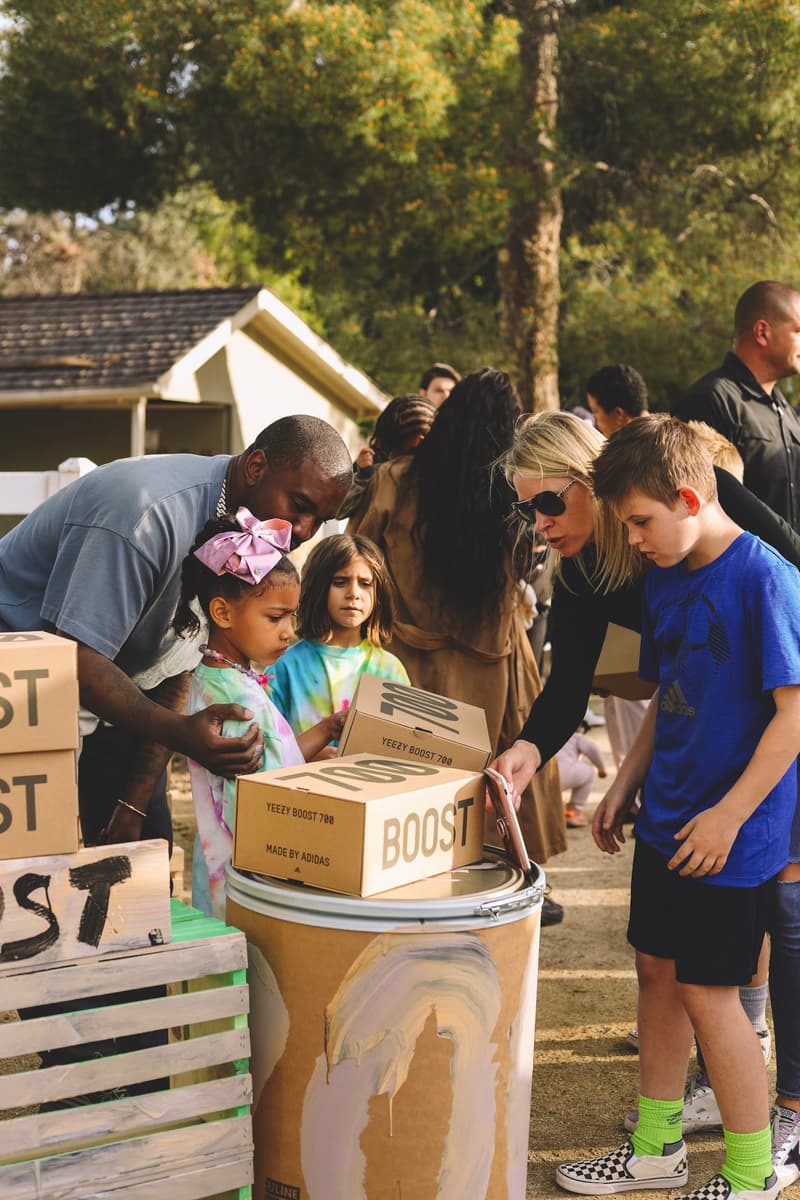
x,y
742,401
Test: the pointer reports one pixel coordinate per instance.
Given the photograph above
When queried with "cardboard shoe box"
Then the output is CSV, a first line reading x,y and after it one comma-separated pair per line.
x,y
38,692
404,722
359,824
617,670
38,804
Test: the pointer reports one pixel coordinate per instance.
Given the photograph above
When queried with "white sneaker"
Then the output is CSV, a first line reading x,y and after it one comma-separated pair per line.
x,y
765,1042
621,1171
593,719
700,1108
785,1148
718,1188
632,1038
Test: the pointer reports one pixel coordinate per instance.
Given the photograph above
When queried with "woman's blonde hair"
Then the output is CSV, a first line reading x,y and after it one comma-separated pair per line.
x,y
557,444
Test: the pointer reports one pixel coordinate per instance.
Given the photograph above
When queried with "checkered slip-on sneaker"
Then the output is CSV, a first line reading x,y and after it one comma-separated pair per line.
x,y
621,1171
718,1188
786,1145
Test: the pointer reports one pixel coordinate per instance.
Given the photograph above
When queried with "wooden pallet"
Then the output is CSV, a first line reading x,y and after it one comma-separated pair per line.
x,y
190,1140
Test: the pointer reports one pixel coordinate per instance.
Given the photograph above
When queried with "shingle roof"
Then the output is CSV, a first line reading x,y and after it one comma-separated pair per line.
x,y
115,339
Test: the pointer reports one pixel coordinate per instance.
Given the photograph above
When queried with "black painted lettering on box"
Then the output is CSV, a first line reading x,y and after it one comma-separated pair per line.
x,y
29,947
97,879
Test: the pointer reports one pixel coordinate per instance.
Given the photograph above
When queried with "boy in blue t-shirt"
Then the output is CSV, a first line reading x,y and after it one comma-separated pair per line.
x,y
716,756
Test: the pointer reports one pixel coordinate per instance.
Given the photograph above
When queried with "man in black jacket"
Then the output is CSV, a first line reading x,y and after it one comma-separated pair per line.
x,y
741,400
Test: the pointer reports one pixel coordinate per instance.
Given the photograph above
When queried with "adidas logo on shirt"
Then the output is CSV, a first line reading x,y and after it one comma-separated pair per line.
x,y
674,701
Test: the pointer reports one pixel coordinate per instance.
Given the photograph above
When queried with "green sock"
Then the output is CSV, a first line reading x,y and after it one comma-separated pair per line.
x,y
660,1123
748,1160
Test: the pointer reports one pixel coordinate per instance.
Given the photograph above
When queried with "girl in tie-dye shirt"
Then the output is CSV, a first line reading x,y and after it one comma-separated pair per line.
x,y
345,618
248,590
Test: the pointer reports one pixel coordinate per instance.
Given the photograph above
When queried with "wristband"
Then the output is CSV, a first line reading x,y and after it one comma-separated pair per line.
x,y
138,811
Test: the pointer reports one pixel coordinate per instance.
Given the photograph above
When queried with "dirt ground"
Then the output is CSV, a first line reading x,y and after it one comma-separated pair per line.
x,y
585,1074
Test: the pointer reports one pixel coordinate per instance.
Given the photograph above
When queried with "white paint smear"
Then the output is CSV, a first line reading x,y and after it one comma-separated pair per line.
x,y
518,1095
372,1026
269,1020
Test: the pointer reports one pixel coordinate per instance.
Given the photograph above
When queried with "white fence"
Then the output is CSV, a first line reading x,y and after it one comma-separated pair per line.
x,y
21,491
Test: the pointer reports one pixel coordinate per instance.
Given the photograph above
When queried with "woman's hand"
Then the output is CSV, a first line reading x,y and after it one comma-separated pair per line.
x,y
518,765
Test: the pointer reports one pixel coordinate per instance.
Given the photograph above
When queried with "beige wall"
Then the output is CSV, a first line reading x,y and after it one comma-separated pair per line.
x,y
263,388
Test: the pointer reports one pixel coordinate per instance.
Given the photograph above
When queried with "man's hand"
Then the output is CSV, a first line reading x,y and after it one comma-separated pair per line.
x,y
518,765
225,756
124,826
365,458
707,841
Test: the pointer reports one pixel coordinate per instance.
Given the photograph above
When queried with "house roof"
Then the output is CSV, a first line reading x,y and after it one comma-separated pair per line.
x,y
119,346
106,341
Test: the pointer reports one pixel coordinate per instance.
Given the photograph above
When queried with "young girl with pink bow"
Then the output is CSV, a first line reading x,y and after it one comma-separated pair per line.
x,y
248,590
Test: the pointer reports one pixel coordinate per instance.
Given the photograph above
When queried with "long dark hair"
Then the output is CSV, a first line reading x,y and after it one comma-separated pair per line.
x,y
463,507
200,582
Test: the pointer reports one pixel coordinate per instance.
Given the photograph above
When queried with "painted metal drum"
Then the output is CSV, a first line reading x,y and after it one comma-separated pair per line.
x,y
392,1036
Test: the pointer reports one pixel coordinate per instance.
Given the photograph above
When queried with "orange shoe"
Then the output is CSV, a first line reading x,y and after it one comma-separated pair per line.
x,y
576,819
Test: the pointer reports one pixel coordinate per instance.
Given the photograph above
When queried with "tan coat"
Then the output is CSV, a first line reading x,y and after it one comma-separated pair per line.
x,y
496,671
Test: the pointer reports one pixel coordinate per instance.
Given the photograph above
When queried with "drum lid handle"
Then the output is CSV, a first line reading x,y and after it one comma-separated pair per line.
x,y
497,908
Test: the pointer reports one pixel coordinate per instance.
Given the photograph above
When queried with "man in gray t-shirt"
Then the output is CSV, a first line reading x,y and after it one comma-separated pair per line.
x,y
100,562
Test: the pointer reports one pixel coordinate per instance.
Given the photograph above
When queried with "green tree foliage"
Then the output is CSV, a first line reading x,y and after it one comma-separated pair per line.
x,y
368,153
679,117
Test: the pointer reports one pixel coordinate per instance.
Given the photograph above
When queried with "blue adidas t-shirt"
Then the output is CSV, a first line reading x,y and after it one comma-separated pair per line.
x,y
717,640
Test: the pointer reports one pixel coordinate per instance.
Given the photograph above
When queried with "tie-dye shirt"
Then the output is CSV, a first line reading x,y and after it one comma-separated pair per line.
x,y
215,797
313,680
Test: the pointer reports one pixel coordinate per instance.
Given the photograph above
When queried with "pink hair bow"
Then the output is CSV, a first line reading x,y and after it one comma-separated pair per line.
x,y
251,554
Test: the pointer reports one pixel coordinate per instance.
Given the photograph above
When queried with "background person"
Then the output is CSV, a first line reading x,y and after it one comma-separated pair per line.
x,y
398,430
442,522
742,401
616,394
100,562
578,759
438,382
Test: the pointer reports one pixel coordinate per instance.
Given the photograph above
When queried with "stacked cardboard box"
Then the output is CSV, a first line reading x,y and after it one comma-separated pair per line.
x,y
38,742
404,801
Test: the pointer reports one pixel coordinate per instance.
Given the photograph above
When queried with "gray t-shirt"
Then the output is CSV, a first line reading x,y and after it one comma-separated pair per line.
x,y
101,559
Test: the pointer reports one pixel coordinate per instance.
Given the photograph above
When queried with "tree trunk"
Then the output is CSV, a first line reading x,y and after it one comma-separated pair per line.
x,y
528,262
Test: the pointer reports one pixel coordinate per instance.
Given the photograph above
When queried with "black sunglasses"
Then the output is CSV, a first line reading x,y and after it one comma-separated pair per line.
x,y
550,504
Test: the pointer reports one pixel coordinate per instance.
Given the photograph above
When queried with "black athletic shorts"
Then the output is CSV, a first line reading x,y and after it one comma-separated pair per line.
x,y
714,933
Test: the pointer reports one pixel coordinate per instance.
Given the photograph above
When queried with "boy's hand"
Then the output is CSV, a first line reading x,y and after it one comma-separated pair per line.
x,y
707,841
365,458
609,816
